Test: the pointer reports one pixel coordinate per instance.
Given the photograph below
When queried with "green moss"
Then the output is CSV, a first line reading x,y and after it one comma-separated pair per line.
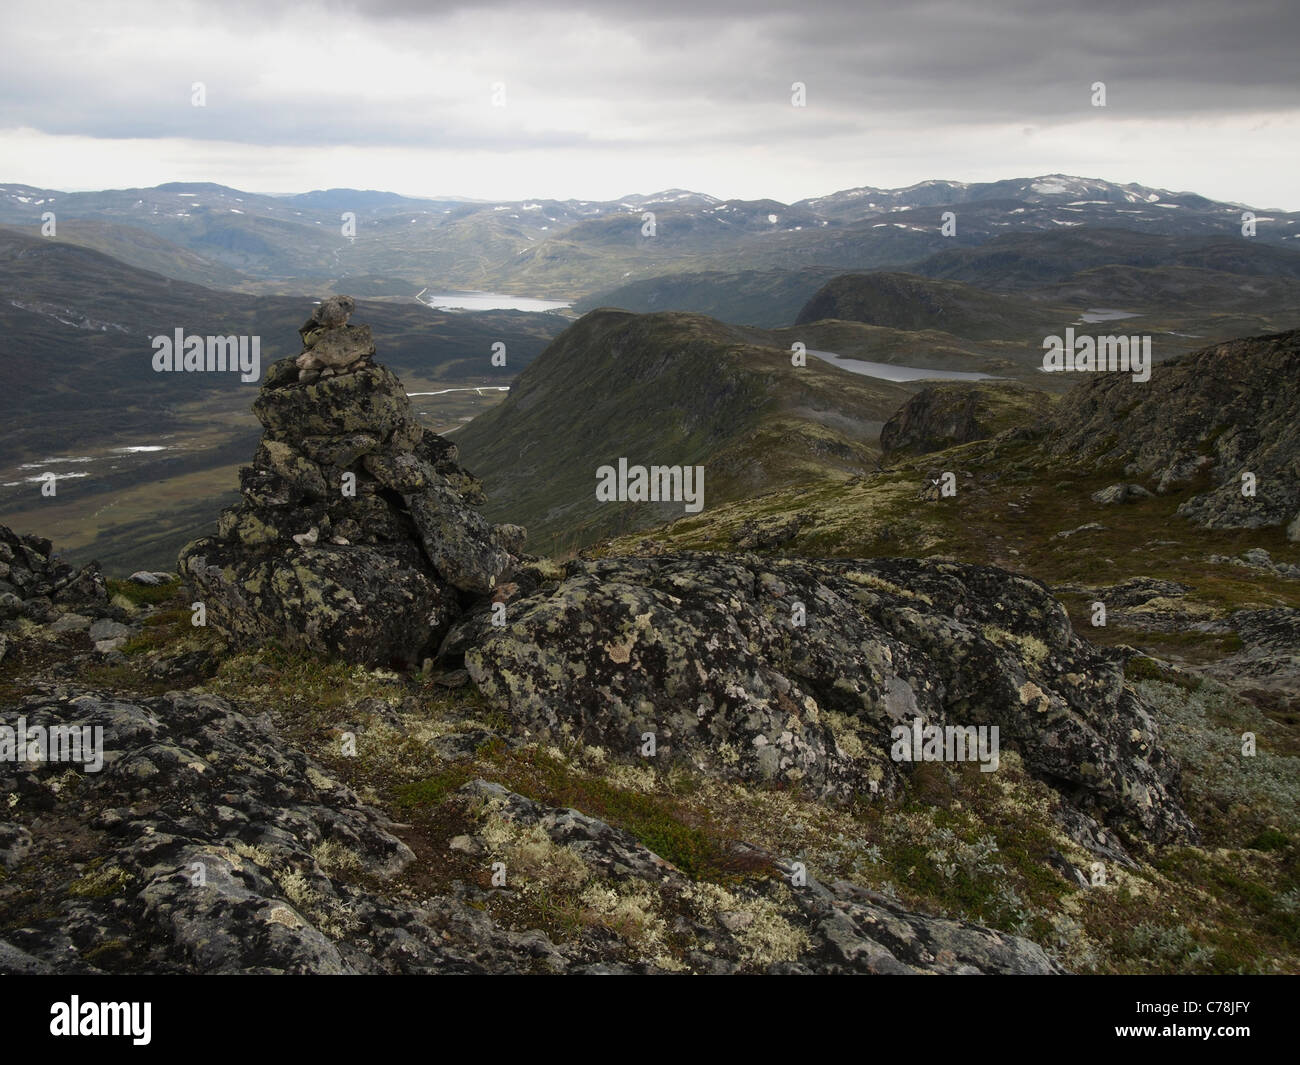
x,y
108,951
1270,840
100,883
433,790
1142,668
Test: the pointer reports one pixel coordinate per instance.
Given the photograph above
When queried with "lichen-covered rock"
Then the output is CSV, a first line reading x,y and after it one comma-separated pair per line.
x,y
205,844
33,579
793,671
355,534
36,586
772,924
366,603
1269,658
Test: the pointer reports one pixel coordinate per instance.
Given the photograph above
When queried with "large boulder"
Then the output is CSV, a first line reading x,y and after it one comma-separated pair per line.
x,y
355,534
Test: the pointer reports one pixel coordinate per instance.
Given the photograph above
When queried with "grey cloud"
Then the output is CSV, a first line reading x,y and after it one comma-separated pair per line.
x,y
715,70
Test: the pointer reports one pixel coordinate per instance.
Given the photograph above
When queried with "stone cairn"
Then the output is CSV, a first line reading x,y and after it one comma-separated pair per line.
x,y
356,534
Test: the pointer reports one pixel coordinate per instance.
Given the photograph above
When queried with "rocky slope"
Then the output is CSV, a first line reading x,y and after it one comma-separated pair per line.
x,y
1206,419
207,846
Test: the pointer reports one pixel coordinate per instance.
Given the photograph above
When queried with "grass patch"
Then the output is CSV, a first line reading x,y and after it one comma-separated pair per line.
x,y
143,594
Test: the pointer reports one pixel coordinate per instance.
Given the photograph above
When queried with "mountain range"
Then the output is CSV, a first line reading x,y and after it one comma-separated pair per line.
x,y
567,249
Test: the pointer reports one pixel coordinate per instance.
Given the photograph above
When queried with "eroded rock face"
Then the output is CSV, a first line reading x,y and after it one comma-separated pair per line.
x,y
704,652
356,534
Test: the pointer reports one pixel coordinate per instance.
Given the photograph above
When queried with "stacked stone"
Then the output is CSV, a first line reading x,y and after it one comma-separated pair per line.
x,y
356,533
330,345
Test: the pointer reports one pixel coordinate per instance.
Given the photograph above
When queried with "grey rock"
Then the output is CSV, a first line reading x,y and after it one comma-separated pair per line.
x,y
15,845
104,629
151,579
340,347
1120,493
334,311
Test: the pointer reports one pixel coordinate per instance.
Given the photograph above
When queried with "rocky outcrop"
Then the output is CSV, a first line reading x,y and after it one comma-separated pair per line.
x,y
1269,659
773,924
206,844
943,416
356,533
1202,421
35,584
795,672
38,589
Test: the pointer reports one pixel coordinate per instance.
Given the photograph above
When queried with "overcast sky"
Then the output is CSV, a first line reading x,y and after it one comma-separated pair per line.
x,y
610,98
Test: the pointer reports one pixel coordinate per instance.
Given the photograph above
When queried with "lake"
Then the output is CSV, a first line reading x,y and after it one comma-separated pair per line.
x,y
887,371
486,301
